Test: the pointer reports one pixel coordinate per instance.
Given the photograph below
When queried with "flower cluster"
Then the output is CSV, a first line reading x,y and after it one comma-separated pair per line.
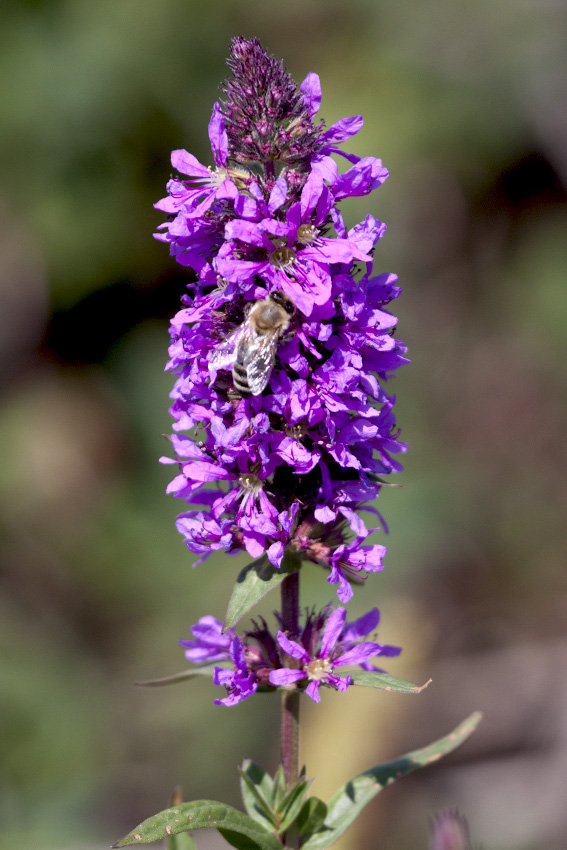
x,y
262,661
282,349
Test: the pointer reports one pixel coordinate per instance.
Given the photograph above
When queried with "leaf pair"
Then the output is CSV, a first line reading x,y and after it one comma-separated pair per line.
x,y
272,809
270,801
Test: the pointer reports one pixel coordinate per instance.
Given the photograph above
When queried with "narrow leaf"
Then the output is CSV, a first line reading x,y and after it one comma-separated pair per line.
x,y
256,789
279,788
311,817
292,804
195,672
260,778
184,840
201,814
253,583
241,842
349,800
385,682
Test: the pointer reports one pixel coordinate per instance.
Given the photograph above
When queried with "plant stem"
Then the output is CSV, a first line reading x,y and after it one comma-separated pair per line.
x,y
289,740
289,726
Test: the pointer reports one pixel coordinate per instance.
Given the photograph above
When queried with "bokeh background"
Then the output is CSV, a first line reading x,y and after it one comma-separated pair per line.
x,y
467,105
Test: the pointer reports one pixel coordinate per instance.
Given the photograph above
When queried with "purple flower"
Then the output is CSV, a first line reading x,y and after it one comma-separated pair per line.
x,y
210,644
291,466
239,683
354,560
259,660
336,650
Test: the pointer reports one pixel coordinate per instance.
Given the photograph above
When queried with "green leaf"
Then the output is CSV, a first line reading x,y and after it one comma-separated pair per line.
x,y
194,673
367,679
241,842
311,817
260,778
279,788
349,800
203,814
253,583
256,789
292,804
182,841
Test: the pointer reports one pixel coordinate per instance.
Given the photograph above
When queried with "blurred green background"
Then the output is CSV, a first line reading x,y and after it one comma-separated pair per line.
x,y
467,105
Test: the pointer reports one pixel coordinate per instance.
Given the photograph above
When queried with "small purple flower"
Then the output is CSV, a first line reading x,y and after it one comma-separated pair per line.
x,y
210,644
335,651
354,560
259,659
240,684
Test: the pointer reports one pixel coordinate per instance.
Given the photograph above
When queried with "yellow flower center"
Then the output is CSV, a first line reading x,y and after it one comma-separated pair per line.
x,y
306,234
319,668
250,483
282,257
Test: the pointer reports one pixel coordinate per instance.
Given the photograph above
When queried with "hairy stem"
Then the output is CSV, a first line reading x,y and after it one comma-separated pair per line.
x,y
289,741
289,726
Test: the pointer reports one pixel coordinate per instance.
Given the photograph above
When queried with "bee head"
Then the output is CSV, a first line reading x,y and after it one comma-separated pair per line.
x,y
283,300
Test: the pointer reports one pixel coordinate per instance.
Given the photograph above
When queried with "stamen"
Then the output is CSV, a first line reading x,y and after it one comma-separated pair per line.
x,y
307,234
319,668
282,258
250,484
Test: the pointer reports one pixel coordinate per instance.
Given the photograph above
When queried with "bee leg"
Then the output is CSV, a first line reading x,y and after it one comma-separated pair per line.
x,y
288,335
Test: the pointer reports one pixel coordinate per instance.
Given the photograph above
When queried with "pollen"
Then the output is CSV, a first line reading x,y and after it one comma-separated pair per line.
x,y
319,668
250,483
282,257
306,234
216,176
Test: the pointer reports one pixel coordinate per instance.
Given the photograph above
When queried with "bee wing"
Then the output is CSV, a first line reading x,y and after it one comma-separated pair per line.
x,y
223,355
259,360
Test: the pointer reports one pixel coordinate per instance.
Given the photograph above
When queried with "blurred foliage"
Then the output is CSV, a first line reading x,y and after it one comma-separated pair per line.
x,y
466,105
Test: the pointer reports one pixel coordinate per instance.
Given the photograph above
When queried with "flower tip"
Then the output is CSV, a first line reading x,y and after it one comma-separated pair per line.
x,y
450,831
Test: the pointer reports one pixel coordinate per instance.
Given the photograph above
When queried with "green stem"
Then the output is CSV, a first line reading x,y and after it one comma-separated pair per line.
x,y
289,726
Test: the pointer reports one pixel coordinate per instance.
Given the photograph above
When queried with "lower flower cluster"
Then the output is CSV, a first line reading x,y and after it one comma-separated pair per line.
x,y
262,661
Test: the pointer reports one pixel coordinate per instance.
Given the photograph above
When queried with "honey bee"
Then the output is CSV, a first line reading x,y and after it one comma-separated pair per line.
x,y
250,350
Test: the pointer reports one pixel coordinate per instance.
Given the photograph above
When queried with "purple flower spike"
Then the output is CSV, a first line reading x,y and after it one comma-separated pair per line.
x,y
284,344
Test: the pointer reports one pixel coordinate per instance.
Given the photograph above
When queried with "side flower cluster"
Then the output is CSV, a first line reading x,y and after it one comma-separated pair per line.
x,y
283,347
261,661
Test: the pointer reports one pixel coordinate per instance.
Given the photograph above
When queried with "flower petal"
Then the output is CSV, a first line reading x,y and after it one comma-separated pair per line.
x,y
292,648
333,628
286,676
